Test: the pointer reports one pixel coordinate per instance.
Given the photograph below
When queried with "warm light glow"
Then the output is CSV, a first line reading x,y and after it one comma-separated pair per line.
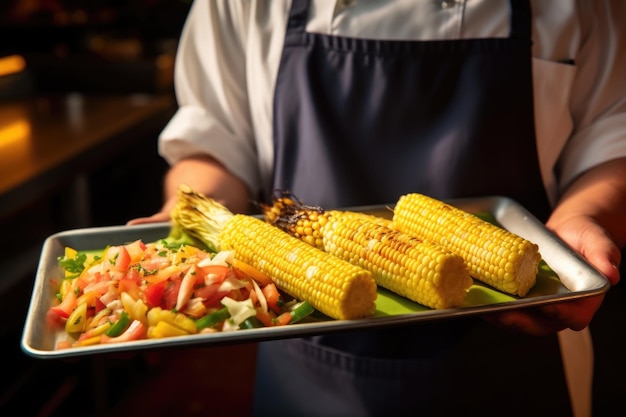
x,y
11,64
16,149
17,131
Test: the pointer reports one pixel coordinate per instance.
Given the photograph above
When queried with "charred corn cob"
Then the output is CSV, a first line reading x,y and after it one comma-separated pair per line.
x,y
333,286
305,222
494,255
418,270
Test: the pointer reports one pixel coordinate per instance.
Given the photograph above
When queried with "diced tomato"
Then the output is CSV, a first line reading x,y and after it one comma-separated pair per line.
x,y
65,308
98,286
273,297
154,293
215,299
170,294
134,275
159,263
122,261
99,305
129,286
252,295
82,281
54,320
214,273
207,291
136,250
239,294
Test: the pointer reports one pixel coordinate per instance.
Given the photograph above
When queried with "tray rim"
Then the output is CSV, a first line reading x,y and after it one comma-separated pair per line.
x,y
507,211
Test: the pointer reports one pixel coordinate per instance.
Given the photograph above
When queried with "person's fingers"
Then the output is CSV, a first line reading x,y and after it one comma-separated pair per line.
x,y
607,261
594,244
549,318
528,322
155,218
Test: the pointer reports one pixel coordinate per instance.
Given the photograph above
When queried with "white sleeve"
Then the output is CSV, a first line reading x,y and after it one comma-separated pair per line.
x,y
598,101
214,112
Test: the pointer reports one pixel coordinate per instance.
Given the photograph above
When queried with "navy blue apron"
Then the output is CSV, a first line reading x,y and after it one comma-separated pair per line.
x,y
360,121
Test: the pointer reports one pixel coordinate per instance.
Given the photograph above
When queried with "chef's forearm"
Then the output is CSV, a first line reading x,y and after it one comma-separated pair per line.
x,y
206,175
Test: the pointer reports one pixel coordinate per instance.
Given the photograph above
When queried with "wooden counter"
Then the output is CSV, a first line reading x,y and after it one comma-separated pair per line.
x,y
47,142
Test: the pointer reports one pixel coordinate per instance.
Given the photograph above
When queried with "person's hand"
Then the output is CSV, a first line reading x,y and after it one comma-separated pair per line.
x,y
550,318
591,219
161,216
155,218
591,241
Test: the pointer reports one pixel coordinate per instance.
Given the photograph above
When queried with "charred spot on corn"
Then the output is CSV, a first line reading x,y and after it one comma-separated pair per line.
x,y
408,266
291,215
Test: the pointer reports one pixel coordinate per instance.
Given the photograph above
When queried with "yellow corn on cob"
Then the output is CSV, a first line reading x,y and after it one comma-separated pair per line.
x,y
333,286
494,255
305,222
418,270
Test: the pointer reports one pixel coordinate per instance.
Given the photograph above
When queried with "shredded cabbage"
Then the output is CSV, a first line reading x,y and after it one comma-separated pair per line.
x,y
239,311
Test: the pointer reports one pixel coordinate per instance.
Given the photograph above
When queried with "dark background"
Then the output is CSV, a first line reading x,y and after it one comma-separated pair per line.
x,y
111,47
93,47
74,45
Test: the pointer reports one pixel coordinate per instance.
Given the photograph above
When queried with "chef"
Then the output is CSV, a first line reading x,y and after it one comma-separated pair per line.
x,y
356,102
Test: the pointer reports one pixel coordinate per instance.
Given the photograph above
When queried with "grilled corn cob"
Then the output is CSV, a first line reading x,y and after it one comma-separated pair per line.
x,y
333,286
305,222
494,255
418,270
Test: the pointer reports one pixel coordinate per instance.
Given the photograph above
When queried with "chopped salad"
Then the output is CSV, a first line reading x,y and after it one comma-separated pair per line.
x,y
143,290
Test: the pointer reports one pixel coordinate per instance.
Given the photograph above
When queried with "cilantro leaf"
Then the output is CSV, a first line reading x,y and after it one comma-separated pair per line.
x,y
73,265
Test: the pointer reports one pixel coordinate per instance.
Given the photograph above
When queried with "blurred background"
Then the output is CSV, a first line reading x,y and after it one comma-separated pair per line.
x,y
85,89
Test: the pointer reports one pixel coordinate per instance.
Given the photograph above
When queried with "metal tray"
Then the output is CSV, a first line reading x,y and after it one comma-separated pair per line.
x,y
570,277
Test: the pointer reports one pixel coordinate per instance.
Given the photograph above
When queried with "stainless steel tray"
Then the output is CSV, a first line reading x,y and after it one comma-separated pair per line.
x,y
570,277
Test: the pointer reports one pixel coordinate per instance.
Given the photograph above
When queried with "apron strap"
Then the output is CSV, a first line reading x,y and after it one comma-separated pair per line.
x,y
521,19
298,15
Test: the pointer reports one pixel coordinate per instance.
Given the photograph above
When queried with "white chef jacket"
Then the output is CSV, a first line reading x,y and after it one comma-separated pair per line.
x,y
229,54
